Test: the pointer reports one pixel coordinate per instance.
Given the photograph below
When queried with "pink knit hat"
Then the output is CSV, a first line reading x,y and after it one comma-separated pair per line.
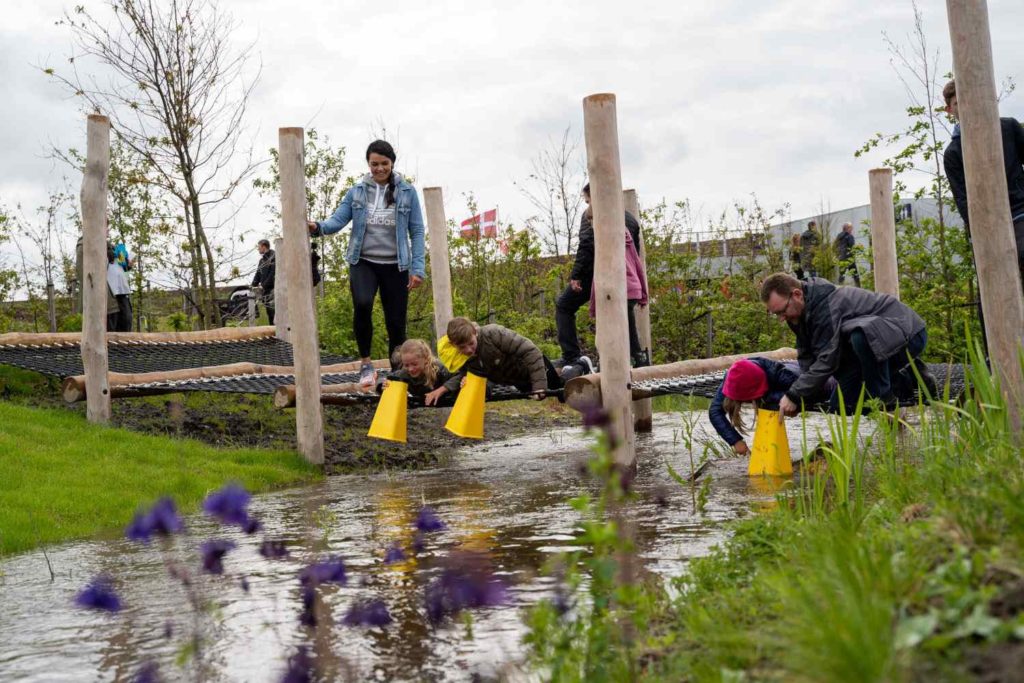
x,y
745,381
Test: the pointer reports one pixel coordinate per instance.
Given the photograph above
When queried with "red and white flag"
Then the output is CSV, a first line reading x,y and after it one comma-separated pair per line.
x,y
485,223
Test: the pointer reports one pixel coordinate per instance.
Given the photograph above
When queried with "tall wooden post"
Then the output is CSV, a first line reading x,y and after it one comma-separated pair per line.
x,y
305,341
94,269
883,232
643,409
282,326
440,270
602,139
991,224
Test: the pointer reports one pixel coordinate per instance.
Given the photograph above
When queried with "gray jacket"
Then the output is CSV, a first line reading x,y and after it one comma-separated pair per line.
x,y
830,314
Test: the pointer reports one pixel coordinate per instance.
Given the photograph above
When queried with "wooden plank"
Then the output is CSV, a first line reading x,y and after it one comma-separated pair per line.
x,y
198,337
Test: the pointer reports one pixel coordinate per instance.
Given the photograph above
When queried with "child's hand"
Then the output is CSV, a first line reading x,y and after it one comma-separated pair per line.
x,y
432,398
385,383
462,383
741,448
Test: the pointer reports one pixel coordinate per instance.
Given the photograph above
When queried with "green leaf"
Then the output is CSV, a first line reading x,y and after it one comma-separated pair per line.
x,y
912,630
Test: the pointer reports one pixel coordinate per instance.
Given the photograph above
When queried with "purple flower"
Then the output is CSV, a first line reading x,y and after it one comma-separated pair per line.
x,y
394,554
419,542
213,553
427,520
162,519
308,595
466,583
331,570
252,525
596,416
300,667
149,673
229,505
273,550
99,594
368,613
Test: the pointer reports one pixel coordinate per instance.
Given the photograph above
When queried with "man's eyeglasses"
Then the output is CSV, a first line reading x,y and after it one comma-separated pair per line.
x,y
782,311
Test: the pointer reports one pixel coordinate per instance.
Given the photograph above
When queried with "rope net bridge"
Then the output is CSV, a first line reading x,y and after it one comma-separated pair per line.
x,y
253,361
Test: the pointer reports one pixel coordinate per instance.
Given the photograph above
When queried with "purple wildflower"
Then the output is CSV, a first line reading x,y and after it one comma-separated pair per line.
x,y
419,542
596,416
273,550
162,519
252,525
149,673
394,554
213,553
368,613
229,505
307,617
300,667
100,595
331,570
466,583
427,520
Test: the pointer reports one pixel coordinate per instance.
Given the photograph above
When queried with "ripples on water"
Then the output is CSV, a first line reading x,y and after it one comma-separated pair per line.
x,y
506,499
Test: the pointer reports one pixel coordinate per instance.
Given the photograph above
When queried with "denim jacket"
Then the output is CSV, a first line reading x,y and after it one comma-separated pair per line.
x,y
408,228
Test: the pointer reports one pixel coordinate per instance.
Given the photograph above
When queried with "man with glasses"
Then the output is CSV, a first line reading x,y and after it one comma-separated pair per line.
x,y
861,338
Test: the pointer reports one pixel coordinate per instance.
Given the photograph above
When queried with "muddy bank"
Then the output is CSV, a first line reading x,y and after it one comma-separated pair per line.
x,y
245,420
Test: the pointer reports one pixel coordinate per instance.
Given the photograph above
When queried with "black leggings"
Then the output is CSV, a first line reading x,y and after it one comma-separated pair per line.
x,y
364,279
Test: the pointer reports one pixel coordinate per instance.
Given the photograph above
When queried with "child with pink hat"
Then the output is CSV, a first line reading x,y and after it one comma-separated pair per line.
x,y
760,381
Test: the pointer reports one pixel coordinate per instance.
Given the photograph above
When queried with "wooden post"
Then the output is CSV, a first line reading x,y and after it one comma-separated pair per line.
x,y
250,301
991,224
643,409
440,270
602,139
883,232
305,341
51,306
282,325
94,269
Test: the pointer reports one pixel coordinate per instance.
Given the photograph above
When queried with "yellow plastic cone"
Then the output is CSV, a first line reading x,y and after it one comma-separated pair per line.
x,y
467,418
770,454
389,422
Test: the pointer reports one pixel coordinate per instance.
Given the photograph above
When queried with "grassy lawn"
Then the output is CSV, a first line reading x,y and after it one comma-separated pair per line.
x,y
62,478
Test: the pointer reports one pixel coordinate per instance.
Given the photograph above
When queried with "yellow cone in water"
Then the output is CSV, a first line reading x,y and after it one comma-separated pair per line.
x,y
770,454
389,422
467,418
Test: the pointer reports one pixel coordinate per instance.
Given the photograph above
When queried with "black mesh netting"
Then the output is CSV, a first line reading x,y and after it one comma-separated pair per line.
x,y
134,357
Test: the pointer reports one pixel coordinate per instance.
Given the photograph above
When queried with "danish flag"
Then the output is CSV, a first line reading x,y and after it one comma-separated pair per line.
x,y
488,220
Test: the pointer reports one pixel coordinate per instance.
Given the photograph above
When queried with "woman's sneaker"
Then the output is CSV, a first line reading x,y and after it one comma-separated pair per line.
x,y
367,375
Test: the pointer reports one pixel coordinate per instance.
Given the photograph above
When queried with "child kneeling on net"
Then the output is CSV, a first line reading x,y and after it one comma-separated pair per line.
x,y
418,368
502,356
760,381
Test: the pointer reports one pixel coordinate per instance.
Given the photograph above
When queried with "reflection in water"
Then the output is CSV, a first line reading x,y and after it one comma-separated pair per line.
x,y
507,500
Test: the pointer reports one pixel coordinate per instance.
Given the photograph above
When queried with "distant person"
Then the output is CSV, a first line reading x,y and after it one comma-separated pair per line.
x,y
1013,161
577,293
122,257
264,276
810,239
120,319
845,241
861,338
385,250
794,256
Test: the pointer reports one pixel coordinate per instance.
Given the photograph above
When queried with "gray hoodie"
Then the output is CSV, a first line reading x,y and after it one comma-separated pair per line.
x,y
380,244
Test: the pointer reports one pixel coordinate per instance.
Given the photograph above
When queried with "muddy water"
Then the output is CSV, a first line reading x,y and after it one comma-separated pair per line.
x,y
506,499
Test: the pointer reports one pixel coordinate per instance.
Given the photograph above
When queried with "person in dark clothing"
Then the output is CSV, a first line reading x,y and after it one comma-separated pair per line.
x,y
794,256
264,277
844,244
810,239
577,294
1013,160
758,380
863,339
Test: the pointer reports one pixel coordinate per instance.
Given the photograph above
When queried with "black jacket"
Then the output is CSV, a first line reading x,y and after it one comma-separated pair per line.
x,y
264,276
830,314
780,378
583,268
1013,159
809,241
844,245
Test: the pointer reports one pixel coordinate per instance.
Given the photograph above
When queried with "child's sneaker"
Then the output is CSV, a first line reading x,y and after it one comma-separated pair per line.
x,y
367,375
586,365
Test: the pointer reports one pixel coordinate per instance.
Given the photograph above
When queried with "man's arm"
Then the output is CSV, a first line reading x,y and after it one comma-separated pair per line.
x,y
583,268
953,162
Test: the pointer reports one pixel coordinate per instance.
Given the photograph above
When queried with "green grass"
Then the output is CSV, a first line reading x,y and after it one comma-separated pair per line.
x,y
62,478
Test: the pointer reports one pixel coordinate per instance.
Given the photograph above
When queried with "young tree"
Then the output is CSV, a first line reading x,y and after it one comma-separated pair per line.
x,y
176,92
553,188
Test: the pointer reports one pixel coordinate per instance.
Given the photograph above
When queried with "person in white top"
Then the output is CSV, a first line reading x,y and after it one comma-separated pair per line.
x,y
117,281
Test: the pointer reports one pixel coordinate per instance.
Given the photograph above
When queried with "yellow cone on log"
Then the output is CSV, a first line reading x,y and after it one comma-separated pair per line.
x,y
389,422
770,454
467,418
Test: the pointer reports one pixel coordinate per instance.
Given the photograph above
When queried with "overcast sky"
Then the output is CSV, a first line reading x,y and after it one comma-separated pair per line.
x,y
715,100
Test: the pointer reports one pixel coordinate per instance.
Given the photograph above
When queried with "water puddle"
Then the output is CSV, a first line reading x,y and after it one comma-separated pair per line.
x,y
508,500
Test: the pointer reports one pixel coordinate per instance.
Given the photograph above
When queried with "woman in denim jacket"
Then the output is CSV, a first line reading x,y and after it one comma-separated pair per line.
x,y
385,250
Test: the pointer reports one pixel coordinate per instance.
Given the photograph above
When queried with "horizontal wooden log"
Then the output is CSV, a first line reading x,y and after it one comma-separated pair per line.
x,y
584,392
284,396
60,338
73,388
